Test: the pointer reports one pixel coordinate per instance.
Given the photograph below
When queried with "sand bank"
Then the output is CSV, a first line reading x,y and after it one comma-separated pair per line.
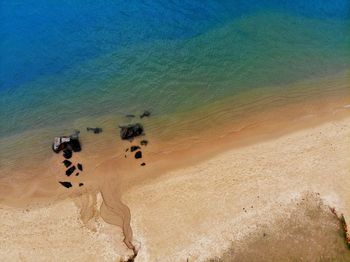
x,y
196,212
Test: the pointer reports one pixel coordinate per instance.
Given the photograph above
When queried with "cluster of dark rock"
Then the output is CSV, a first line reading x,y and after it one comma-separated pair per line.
x,y
131,131
68,144
137,154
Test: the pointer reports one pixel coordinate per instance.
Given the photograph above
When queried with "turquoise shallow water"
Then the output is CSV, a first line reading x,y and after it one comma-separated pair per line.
x,y
66,61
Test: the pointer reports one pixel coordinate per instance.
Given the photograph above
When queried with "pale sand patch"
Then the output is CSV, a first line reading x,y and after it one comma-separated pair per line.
x,y
54,232
197,212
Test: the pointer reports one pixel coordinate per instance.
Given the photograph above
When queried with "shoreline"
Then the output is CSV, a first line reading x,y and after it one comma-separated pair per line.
x,y
167,154
240,170
227,119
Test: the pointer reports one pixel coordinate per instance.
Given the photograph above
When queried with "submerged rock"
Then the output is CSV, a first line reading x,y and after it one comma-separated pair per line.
x,y
134,148
130,116
66,184
67,142
146,113
96,130
138,154
130,131
70,170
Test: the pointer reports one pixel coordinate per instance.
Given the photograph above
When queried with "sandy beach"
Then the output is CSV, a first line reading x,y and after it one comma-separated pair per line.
x,y
197,212
175,131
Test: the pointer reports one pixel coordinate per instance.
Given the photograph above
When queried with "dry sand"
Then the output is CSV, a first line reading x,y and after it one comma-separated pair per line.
x,y
197,212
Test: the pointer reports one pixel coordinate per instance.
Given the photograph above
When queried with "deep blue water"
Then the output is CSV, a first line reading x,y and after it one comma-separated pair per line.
x,y
47,37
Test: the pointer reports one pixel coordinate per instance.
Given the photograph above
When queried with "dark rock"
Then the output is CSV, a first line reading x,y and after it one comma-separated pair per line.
x,y
77,174
126,150
75,145
60,143
80,166
145,113
67,153
138,154
143,142
81,184
96,130
66,184
143,164
67,163
67,142
130,131
70,170
134,148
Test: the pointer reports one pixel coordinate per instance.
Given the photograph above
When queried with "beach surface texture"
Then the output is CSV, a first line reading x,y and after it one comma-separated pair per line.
x,y
201,211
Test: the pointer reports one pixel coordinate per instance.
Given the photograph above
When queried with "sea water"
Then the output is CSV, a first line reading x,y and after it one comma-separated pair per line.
x,y
66,65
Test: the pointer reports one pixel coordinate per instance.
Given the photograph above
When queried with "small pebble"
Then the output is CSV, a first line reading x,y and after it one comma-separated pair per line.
x,y
80,166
